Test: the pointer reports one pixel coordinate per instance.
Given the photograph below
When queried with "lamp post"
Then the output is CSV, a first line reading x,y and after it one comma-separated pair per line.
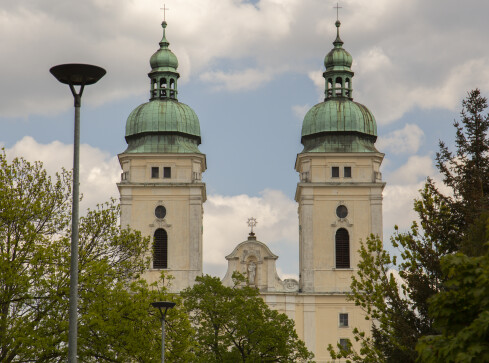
x,y
75,75
163,305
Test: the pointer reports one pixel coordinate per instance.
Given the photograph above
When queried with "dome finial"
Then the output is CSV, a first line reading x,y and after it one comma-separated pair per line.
x,y
338,42
164,43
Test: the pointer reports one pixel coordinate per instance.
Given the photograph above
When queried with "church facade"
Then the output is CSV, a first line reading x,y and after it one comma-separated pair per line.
x,y
339,196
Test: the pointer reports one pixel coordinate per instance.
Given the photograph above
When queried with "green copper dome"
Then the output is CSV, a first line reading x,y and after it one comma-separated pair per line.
x,y
334,117
162,117
163,125
164,59
339,124
338,58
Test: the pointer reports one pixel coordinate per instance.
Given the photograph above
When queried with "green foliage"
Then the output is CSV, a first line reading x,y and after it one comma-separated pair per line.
x,y
461,313
233,324
466,171
474,243
388,302
400,308
116,322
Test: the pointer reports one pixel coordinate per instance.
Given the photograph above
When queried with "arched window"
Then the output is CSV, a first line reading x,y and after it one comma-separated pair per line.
x,y
160,249
330,87
163,87
338,86
342,246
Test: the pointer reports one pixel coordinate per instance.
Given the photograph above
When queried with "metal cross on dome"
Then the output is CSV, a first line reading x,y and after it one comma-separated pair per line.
x,y
164,8
337,7
252,223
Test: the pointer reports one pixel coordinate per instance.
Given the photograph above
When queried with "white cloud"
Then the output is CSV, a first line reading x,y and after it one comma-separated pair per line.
x,y
225,225
404,57
284,275
374,60
99,171
317,78
300,111
403,95
403,185
121,36
404,141
398,206
249,79
415,169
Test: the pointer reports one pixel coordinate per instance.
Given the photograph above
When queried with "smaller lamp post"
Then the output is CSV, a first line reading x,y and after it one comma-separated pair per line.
x,y
163,306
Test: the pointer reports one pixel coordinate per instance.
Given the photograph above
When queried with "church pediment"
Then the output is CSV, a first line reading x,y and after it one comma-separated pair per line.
x,y
251,248
254,260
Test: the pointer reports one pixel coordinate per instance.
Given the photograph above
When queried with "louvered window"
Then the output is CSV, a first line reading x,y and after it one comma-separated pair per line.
x,y
342,248
160,249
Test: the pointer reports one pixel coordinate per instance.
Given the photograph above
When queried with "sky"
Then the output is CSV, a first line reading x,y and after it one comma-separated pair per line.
x,y
250,70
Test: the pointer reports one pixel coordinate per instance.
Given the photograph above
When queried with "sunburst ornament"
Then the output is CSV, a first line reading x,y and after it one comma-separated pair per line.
x,y
252,222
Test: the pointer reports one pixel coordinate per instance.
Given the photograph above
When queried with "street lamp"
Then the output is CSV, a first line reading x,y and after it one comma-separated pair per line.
x,y
163,305
75,75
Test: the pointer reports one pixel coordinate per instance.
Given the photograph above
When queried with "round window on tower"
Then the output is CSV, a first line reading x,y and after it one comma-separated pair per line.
x,y
160,212
341,211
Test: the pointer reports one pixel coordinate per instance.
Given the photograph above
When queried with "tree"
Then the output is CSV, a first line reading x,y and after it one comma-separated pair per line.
x,y
466,171
116,321
233,324
460,312
400,307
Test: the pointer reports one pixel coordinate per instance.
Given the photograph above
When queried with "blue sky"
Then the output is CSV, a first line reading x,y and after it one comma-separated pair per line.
x,y
250,70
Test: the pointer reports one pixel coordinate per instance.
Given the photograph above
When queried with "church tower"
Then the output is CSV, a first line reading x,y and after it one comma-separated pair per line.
x,y
161,187
340,188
